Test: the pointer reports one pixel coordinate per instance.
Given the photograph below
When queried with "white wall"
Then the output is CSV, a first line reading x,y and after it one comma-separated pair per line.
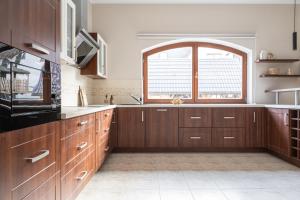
x,y
119,24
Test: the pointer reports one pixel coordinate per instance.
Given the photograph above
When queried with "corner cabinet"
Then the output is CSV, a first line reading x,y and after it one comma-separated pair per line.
x,y
97,67
68,31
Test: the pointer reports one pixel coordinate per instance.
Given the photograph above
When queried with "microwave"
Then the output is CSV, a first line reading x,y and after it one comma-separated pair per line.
x,y
86,48
30,89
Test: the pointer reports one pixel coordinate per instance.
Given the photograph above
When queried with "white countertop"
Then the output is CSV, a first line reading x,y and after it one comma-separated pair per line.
x,y
73,111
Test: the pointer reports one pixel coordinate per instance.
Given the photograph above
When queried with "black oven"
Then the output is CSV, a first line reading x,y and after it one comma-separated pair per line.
x,y
30,89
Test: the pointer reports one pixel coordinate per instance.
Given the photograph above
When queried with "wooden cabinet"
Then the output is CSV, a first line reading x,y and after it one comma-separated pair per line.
x,y
5,17
35,27
195,117
131,126
31,164
228,137
162,127
113,139
278,130
256,127
195,137
228,117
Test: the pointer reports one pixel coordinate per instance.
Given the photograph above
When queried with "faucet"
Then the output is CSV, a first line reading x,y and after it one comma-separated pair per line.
x,y
139,100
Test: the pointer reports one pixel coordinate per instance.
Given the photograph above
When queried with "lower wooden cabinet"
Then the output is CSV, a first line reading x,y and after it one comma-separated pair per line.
x,y
256,128
162,127
131,128
228,137
195,137
278,130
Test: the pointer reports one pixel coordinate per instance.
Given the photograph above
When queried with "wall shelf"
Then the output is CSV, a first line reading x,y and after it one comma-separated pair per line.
x,y
277,60
279,76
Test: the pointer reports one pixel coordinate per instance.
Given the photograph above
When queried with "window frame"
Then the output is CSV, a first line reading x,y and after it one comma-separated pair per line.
x,y
195,46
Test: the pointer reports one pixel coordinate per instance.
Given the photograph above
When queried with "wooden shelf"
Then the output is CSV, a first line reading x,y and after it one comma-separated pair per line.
x,y
277,60
279,76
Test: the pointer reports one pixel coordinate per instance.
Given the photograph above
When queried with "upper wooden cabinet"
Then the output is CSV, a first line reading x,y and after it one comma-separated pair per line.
x,y
256,127
228,117
35,27
162,127
131,127
278,130
97,67
5,30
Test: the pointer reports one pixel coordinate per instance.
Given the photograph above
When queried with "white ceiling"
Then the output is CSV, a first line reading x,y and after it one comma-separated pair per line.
x,y
194,1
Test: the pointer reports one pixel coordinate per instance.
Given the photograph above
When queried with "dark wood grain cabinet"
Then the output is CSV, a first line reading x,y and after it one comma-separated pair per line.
x,y
36,27
256,127
162,127
228,137
278,130
194,137
228,117
5,17
131,127
195,117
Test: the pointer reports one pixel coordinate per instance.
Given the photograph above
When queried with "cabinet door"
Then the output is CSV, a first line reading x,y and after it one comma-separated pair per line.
x,y
34,27
162,127
113,139
195,117
278,131
228,117
4,21
131,127
228,137
255,132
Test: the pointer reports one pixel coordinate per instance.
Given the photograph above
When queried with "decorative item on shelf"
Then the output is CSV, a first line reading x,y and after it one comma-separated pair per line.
x,y
270,56
273,71
83,97
290,71
263,55
177,101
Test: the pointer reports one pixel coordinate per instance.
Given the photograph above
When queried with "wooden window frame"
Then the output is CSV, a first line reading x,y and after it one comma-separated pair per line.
x,y
195,46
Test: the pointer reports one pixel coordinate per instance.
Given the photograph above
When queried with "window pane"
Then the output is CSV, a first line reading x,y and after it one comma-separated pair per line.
x,y
219,74
170,74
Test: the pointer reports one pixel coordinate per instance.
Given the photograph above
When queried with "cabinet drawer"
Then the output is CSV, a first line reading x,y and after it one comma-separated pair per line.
x,y
75,144
74,125
195,137
228,117
76,178
195,117
32,157
228,137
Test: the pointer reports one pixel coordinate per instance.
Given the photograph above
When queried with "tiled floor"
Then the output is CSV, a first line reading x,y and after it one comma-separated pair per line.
x,y
194,176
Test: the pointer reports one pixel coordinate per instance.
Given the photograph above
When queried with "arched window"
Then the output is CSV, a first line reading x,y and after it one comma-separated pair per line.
x,y
197,72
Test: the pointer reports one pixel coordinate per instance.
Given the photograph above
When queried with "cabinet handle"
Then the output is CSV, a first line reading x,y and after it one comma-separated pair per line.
x,y
229,117
106,149
83,123
161,110
142,116
106,130
195,117
38,48
254,117
286,119
229,138
106,114
195,138
82,146
43,154
84,174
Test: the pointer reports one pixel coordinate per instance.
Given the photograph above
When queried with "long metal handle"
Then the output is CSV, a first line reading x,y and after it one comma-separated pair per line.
x,y
195,117
229,117
82,146
286,119
229,138
142,116
38,48
43,154
195,138
254,117
161,110
83,123
84,174
106,149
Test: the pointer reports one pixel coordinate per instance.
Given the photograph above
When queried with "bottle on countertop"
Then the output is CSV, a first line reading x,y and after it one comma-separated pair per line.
x,y
111,100
106,99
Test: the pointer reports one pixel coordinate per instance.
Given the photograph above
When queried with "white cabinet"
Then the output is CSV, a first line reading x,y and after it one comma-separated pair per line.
x,y
102,57
68,29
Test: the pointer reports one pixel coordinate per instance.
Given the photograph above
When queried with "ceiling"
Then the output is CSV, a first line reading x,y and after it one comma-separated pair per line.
x,y
194,1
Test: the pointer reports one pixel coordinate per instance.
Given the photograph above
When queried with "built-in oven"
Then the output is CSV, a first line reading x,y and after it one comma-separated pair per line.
x,y
30,89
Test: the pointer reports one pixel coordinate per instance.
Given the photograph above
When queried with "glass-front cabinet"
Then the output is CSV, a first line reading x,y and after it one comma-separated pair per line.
x,y
68,29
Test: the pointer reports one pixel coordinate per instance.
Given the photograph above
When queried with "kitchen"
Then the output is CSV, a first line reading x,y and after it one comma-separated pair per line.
x,y
149,99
